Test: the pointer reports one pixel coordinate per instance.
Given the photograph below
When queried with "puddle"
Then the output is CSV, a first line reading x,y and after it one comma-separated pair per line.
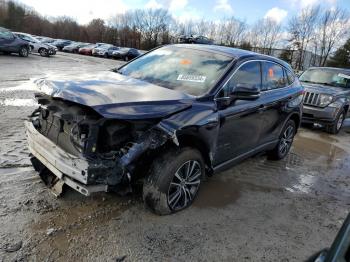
x,y
18,102
217,192
325,154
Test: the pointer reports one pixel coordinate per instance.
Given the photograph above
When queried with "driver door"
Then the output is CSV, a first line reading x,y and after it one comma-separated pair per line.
x,y
240,122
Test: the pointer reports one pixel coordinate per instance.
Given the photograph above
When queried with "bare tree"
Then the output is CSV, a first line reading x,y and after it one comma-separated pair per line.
x,y
333,27
265,35
301,27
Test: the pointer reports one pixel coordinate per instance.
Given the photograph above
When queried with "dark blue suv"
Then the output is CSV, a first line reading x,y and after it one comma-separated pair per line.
x,y
169,118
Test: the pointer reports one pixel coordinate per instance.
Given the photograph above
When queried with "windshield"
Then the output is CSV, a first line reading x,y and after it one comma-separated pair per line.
x,y
328,77
189,70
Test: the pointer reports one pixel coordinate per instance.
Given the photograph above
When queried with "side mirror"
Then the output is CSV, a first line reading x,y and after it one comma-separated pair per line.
x,y
245,92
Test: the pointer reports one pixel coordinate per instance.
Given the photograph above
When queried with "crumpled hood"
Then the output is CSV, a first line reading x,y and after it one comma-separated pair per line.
x,y
325,89
116,96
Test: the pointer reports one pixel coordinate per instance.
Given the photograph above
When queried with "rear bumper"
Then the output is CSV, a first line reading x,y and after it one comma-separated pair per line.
x,y
319,115
72,170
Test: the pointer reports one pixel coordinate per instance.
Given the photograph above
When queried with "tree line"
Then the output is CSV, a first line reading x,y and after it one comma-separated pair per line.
x,y
313,29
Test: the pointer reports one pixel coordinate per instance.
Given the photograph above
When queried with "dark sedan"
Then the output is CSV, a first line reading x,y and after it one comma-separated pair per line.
x,y
126,54
60,43
167,119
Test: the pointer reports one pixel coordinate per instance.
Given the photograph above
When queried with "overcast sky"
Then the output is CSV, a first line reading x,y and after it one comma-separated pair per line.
x,y
250,10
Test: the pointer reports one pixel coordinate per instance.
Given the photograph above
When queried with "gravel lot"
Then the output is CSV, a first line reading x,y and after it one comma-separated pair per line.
x,y
257,211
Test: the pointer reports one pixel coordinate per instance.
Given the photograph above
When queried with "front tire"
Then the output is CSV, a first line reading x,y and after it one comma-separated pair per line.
x,y
23,51
285,142
44,52
173,181
335,127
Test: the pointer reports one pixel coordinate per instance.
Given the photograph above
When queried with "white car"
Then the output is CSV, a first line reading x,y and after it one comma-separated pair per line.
x,y
36,46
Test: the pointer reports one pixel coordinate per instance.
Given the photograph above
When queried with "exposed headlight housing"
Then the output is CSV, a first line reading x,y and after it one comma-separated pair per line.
x,y
325,100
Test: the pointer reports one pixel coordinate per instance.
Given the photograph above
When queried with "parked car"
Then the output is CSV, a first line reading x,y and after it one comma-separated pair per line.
x,y
87,50
60,43
327,97
74,48
105,51
10,43
169,117
195,39
36,46
46,40
126,53
102,50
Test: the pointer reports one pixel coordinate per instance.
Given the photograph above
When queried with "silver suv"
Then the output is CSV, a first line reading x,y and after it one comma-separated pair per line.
x,y
327,97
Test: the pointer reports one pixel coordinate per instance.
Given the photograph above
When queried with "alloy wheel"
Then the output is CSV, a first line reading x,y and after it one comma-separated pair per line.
x,y
184,186
340,121
286,140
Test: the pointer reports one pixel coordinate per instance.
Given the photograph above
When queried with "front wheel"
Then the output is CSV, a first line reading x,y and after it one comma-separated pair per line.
x,y
285,142
335,127
44,52
23,51
174,181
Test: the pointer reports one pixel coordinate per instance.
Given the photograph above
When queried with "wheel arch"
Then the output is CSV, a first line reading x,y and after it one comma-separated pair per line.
x,y
297,120
189,140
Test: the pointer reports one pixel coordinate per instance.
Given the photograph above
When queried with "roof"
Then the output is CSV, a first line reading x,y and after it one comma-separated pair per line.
x,y
232,52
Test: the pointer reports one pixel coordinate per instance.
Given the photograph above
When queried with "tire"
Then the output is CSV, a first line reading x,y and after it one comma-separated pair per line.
x,y
285,142
165,189
126,58
105,55
335,127
44,52
23,51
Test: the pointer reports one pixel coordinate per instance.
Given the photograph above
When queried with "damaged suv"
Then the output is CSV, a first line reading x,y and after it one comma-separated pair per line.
x,y
167,118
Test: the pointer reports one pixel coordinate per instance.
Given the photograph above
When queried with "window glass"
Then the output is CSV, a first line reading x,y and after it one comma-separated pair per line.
x,y
6,35
248,75
290,77
273,76
184,69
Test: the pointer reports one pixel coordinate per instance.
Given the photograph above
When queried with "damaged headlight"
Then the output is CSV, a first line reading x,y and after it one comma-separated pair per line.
x,y
325,100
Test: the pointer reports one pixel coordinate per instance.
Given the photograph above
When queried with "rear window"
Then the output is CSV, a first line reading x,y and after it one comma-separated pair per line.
x,y
188,70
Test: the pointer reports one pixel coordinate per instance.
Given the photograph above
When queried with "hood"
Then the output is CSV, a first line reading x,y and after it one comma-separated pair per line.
x,y
116,96
325,89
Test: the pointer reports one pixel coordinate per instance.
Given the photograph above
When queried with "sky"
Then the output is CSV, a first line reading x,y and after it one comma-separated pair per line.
x,y
248,10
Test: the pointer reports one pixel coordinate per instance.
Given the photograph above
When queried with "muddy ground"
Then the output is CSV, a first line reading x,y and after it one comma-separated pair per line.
x,y
257,211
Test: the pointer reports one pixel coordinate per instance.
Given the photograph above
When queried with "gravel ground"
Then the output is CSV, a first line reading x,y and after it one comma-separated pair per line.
x,y
259,210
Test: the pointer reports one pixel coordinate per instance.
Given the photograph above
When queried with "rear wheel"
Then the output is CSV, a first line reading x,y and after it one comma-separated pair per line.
x,y
285,142
335,127
174,181
23,51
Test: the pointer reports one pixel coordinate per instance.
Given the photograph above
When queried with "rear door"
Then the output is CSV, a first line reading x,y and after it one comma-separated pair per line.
x,y
240,123
276,95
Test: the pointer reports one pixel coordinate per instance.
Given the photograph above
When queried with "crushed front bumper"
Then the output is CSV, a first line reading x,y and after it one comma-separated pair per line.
x,y
71,170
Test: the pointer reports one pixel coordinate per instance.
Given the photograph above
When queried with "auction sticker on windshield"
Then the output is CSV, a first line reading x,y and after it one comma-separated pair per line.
x,y
192,78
